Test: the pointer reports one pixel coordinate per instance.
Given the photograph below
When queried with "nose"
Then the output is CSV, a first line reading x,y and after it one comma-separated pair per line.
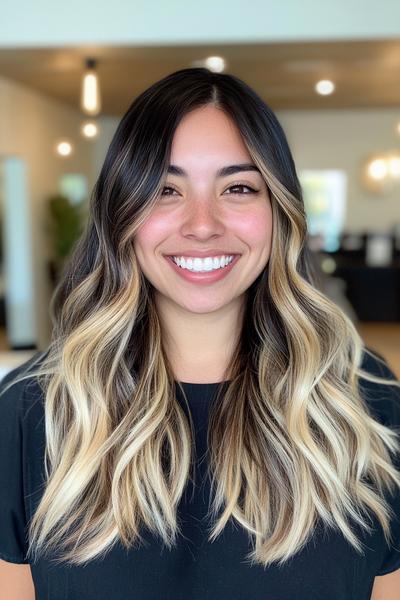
x,y
202,218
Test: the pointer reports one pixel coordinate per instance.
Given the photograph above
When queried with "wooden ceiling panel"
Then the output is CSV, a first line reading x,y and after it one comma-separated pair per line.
x,y
366,73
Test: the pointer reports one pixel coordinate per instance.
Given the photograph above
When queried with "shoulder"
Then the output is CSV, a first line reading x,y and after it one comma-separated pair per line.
x,y
18,395
383,402
376,364
21,451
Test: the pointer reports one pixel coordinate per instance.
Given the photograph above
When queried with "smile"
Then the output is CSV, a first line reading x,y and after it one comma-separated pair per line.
x,y
199,275
199,265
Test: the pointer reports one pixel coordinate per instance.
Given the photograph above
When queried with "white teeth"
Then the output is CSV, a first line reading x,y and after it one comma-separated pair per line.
x,y
200,264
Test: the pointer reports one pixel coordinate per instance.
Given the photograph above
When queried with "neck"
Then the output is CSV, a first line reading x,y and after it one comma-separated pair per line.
x,y
200,346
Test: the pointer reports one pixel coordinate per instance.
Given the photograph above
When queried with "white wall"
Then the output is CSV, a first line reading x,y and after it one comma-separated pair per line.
x,y
52,22
331,139
30,124
343,139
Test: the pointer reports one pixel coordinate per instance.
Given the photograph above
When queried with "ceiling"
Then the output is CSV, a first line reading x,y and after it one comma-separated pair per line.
x,y
366,73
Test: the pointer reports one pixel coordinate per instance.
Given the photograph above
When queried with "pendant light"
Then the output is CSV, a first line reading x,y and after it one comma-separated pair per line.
x,y
90,96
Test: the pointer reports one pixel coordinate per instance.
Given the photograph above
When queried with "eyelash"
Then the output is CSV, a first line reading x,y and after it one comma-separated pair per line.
x,y
235,185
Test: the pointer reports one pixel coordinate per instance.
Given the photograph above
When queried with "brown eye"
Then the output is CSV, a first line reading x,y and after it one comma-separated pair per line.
x,y
167,188
241,186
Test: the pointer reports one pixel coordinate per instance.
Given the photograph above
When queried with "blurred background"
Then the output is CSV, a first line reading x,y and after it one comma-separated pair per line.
x,y
69,71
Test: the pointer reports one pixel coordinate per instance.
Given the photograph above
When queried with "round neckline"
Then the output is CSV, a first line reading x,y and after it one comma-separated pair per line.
x,y
200,384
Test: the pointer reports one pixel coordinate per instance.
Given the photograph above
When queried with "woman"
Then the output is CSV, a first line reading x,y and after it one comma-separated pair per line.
x,y
187,329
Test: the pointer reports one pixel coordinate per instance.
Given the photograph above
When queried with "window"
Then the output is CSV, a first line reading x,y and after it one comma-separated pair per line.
x,y
324,193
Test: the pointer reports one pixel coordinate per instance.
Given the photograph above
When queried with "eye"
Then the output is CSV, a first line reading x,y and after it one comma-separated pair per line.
x,y
168,188
241,186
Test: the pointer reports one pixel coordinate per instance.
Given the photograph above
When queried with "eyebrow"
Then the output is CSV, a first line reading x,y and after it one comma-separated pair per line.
x,y
223,172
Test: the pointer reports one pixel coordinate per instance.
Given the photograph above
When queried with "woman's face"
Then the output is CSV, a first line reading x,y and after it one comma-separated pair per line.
x,y
203,212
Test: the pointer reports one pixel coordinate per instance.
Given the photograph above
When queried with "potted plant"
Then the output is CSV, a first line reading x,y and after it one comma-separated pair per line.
x,y
65,225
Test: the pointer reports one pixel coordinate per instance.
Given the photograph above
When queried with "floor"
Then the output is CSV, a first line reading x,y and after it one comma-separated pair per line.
x,y
385,339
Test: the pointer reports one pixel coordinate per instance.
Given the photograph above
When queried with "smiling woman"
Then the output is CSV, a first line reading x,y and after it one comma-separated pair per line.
x,y
206,221
200,394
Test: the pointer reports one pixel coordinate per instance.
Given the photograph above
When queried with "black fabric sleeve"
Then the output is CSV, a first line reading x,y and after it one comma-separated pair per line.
x,y
13,543
384,402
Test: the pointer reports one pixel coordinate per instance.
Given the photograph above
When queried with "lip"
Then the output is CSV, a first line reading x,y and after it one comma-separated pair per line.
x,y
206,277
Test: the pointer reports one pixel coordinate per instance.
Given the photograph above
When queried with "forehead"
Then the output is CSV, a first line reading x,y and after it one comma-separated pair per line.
x,y
207,132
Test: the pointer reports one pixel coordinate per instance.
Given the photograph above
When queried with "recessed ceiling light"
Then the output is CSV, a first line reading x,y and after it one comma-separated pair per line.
x,y
64,148
89,129
215,63
324,87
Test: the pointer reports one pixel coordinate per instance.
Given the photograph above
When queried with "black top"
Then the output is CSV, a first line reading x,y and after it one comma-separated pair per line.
x,y
328,568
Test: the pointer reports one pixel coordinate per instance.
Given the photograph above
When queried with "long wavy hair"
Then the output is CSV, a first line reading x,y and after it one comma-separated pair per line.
x,y
291,440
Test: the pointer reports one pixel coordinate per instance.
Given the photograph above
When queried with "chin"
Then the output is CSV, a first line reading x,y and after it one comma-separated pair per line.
x,y
205,307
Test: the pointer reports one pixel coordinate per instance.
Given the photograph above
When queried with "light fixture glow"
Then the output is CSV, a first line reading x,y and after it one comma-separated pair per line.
x,y
324,87
90,96
89,129
394,166
215,63
378,169
381,172
328,265
64,148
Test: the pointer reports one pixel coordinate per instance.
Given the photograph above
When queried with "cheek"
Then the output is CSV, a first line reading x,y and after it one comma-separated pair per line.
x,y
153,232
255,226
